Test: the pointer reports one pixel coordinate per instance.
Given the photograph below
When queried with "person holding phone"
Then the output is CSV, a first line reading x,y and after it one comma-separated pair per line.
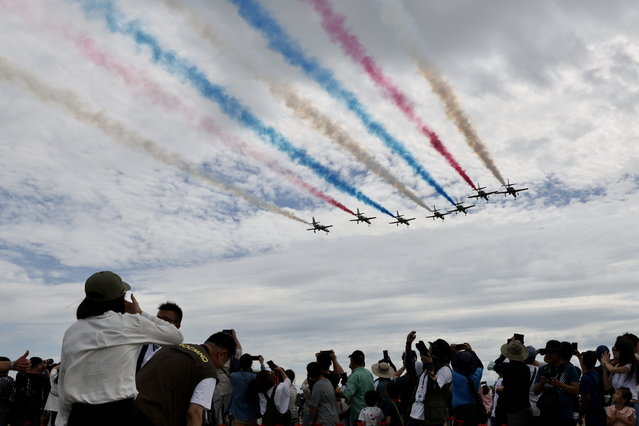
x,y
432,375
244,407
558,383
274,397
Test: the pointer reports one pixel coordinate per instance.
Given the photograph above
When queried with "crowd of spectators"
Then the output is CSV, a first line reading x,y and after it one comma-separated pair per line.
x,y
122,366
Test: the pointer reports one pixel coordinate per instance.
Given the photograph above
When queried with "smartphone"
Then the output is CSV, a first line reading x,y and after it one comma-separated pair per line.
x,y
385,352
575,346
421,347
255,357
519,337
271,365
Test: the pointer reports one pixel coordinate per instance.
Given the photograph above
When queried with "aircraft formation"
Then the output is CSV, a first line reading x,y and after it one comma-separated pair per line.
x,y
509,189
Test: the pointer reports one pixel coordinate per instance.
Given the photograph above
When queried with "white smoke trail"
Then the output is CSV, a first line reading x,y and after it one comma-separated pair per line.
x,y
407,31
305,111
130,138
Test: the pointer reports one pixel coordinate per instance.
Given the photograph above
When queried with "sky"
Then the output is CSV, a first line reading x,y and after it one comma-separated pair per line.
x,y
161,140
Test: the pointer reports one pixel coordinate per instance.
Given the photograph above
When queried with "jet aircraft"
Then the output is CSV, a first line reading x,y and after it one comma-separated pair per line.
x,y
437,214
481,193
511,190
317,227
362,218
402,220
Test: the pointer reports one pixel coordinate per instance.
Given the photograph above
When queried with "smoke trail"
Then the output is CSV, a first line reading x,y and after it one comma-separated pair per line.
x,y
209,125
407,31
207,32
131,139
305,110
333,24
457,116
135,79
280,41
227,103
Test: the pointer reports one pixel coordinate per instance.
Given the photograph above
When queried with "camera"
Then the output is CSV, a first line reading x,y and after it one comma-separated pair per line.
x,y
519,337
421,347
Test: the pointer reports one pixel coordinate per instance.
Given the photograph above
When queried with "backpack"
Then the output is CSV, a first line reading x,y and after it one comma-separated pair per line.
x,y
271,415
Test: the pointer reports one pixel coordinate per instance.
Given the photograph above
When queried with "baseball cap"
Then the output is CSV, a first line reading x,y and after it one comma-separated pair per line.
x,y
601,349
357,356
105,286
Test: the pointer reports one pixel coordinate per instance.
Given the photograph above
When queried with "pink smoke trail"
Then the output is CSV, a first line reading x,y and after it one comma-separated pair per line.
x,y
333,24
134,79
70,102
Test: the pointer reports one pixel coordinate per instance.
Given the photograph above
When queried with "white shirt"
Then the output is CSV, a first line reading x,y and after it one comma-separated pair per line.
x,y
52,399
444,375
281,398
150,351
203,393
99,356
625,380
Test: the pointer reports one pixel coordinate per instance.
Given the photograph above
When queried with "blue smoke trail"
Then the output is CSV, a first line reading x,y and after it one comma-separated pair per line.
x,y
117,23
280,41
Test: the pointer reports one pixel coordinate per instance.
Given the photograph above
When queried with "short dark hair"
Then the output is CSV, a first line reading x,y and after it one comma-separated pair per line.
x,y
246,361
626,393
589,358
4,358
392,389
371,397
313,370
172,307
89,308
263,381
324,360
223,341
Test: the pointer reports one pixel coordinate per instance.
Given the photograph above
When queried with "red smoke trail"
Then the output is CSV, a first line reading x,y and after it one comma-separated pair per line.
x,y
333,24
134,79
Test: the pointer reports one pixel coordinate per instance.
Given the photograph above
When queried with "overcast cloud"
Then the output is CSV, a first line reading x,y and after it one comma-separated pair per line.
x,y
551,88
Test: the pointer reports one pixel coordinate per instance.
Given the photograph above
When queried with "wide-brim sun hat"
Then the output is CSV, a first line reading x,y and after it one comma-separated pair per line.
x,y
551,346
383,370
514,351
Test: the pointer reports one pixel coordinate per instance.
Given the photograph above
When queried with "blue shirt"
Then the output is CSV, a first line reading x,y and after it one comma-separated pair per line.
x,y
461,390
243,406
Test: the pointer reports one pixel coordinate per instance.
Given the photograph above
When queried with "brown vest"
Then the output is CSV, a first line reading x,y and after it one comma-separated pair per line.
x,y
166,383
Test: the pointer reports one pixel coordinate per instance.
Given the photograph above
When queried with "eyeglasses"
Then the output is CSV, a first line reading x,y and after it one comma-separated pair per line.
x,y
167,319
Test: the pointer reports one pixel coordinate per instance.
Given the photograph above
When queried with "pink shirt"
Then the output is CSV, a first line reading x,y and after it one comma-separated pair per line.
x,y
625,412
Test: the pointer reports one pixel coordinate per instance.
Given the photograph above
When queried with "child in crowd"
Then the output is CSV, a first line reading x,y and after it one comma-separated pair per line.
x,y
372,415
392,410
621,414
